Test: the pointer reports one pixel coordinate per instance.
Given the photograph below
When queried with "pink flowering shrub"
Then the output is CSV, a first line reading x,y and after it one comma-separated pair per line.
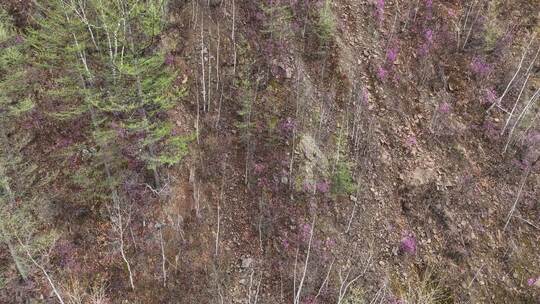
x,y
287,126
259,168
169,60
480,68
491,131
310,300
364,97
323,186
411,141
392,54
387,68
382,73
379,11
490,96
444,108
408,245
426,47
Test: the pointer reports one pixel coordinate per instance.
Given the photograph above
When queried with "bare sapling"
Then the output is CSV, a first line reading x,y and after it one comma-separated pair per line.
x,y
514,206
198,114
528,105
233,37
294,131
471,27
471,7
298,289
254,288
515,104
498,101
196,191
203,79
527,76
324,283
345,283
163,256
355,200
119,224
43,270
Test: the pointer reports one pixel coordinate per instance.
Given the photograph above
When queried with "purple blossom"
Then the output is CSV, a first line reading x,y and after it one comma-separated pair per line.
x,y
411,141
305,232
489,97
533,138
429,6
169,59
532,281
467,181
444,108
408,245
365,97
259,168
63,142
395,300
263,183
285,244
287,126
296,26
19,39
379,10
521,164
310,300
428,35
382,73
259,16
490,129
323,186
330,243
480,67
424,49
392,54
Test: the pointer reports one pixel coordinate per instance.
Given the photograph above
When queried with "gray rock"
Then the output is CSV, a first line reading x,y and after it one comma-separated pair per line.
x,y
316,162
246,262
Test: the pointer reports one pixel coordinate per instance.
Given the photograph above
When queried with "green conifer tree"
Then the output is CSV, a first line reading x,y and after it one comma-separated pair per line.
x,y
21,224
105,66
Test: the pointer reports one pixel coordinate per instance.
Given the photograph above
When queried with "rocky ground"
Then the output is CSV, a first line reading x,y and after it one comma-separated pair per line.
x,y
426,215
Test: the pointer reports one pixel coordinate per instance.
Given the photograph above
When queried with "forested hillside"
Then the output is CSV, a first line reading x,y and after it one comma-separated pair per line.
x,y
276,151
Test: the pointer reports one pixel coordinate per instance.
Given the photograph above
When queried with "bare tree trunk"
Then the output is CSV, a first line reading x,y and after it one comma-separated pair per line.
x,y
345,283
47,276
120,231
525,176
233,36
163,258
518,119
497,102
18,262
7,189
298,292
